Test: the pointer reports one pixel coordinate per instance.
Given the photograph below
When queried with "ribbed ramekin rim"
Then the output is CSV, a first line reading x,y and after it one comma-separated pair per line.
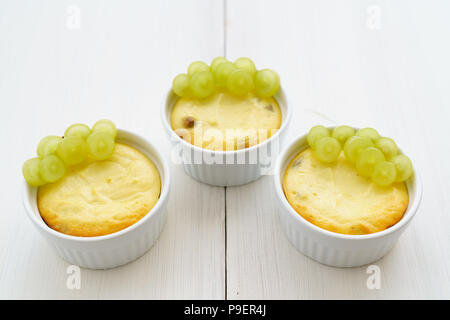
x,y
407,216
173,135
161,200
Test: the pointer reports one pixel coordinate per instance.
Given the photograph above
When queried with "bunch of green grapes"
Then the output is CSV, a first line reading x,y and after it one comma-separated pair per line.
x,y
239,78
374,157
198,82
56,153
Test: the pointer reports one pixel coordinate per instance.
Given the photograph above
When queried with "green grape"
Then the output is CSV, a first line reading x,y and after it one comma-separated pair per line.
x,y
52,168
195,67
31,172
267,83
48,145
105,125
367,160
245,64
202,84
72,150
79,129
216,61
180,85
384,173
315,133
327,149
240,82
369,132
404,167
354,145
100,145
342,133
387,146
222,72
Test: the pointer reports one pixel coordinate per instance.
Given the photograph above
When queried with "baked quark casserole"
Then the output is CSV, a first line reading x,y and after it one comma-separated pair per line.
x,y
226,122
335,197
226,105
96,198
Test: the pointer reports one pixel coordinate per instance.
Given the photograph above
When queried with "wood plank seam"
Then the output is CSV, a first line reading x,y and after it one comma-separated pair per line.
x,y
225,188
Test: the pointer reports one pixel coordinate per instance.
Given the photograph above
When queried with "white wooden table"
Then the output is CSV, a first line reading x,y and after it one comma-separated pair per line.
x,y
377,63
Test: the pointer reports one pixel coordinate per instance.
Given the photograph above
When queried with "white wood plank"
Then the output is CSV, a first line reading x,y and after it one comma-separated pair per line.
x,y
118,65
337,69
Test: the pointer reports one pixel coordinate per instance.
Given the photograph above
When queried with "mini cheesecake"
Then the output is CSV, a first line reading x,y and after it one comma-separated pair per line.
x,y
97,198
336,198
225,122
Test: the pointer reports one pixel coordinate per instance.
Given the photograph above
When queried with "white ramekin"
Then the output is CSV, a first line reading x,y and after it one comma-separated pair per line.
x,y
330,248
225,170
118,248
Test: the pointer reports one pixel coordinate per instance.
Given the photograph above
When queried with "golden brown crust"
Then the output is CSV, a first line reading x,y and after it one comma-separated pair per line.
x,y
99,198
90,228
226,122
334,197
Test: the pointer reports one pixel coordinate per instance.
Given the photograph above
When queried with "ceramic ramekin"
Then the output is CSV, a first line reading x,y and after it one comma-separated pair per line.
x,y
118,248
330,248
226,168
